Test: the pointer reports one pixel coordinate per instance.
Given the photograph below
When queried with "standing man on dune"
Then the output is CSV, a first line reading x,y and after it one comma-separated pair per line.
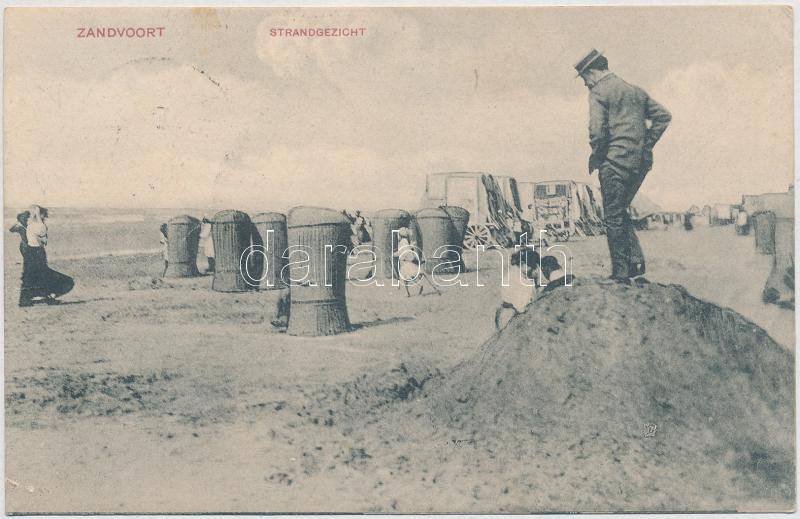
x,y
622,150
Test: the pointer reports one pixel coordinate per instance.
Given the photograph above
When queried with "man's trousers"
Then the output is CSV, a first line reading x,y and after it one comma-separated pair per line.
x,y
619,186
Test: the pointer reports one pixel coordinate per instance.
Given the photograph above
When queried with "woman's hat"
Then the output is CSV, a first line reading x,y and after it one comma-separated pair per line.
x,y
587,60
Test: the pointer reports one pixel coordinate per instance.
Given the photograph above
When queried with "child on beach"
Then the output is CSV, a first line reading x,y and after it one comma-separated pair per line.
x,y
283,305
521,288
207,243
409,264
164,247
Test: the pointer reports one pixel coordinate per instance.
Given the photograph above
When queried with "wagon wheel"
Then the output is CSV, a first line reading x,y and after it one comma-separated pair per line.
x,y
477,234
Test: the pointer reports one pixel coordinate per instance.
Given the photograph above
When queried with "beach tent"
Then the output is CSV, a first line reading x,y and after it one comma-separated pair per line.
x,y
642,207
722,214
766,201
704,218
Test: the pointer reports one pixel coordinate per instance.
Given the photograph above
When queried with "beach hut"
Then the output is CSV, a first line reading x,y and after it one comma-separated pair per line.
x,y
384,239
721,214
764,231
438,232
318,298
751,203
269,232
742,225
231,232
460,218
779,287
183,237
492,201
643,208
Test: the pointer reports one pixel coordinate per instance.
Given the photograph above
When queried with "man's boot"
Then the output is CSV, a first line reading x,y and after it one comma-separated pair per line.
x,y
25,299
637,273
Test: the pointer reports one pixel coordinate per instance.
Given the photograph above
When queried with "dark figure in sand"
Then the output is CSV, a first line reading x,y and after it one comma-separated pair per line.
x,y
39,281
554,276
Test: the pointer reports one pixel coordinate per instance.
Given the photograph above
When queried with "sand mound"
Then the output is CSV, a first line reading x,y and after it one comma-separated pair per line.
x,y
634,392
598,398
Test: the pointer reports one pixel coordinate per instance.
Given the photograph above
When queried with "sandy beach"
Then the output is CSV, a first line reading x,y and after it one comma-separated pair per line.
x,y
142,395
217,137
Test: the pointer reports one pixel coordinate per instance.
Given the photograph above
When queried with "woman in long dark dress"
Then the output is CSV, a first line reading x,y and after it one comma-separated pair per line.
x,y
25,298
38,279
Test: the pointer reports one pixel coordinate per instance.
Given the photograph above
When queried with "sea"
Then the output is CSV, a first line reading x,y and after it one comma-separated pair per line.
x,y
75,233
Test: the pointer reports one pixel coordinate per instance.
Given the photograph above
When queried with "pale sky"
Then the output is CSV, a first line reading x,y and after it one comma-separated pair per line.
x,y
218,113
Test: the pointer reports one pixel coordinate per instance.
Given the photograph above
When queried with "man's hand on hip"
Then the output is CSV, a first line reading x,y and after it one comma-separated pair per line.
x,y
647,160
594,163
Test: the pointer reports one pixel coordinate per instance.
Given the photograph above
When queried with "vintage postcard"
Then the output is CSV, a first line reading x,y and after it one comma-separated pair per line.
x,y
399,260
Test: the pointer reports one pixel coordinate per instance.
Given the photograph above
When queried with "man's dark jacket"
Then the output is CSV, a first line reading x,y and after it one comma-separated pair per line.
x,y
618,132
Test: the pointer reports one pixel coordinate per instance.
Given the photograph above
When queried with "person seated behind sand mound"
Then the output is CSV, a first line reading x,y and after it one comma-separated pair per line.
x,y
554,275
521,288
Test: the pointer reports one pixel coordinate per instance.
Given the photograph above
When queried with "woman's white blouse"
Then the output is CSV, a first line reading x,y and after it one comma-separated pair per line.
x,y
37,234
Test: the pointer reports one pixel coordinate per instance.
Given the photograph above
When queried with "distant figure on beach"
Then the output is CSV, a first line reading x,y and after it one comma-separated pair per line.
x,y
164,241
207,243
358,225
38,279
622,145
361,232
409,263
554,276
687,221
283,306
518,294
742,223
